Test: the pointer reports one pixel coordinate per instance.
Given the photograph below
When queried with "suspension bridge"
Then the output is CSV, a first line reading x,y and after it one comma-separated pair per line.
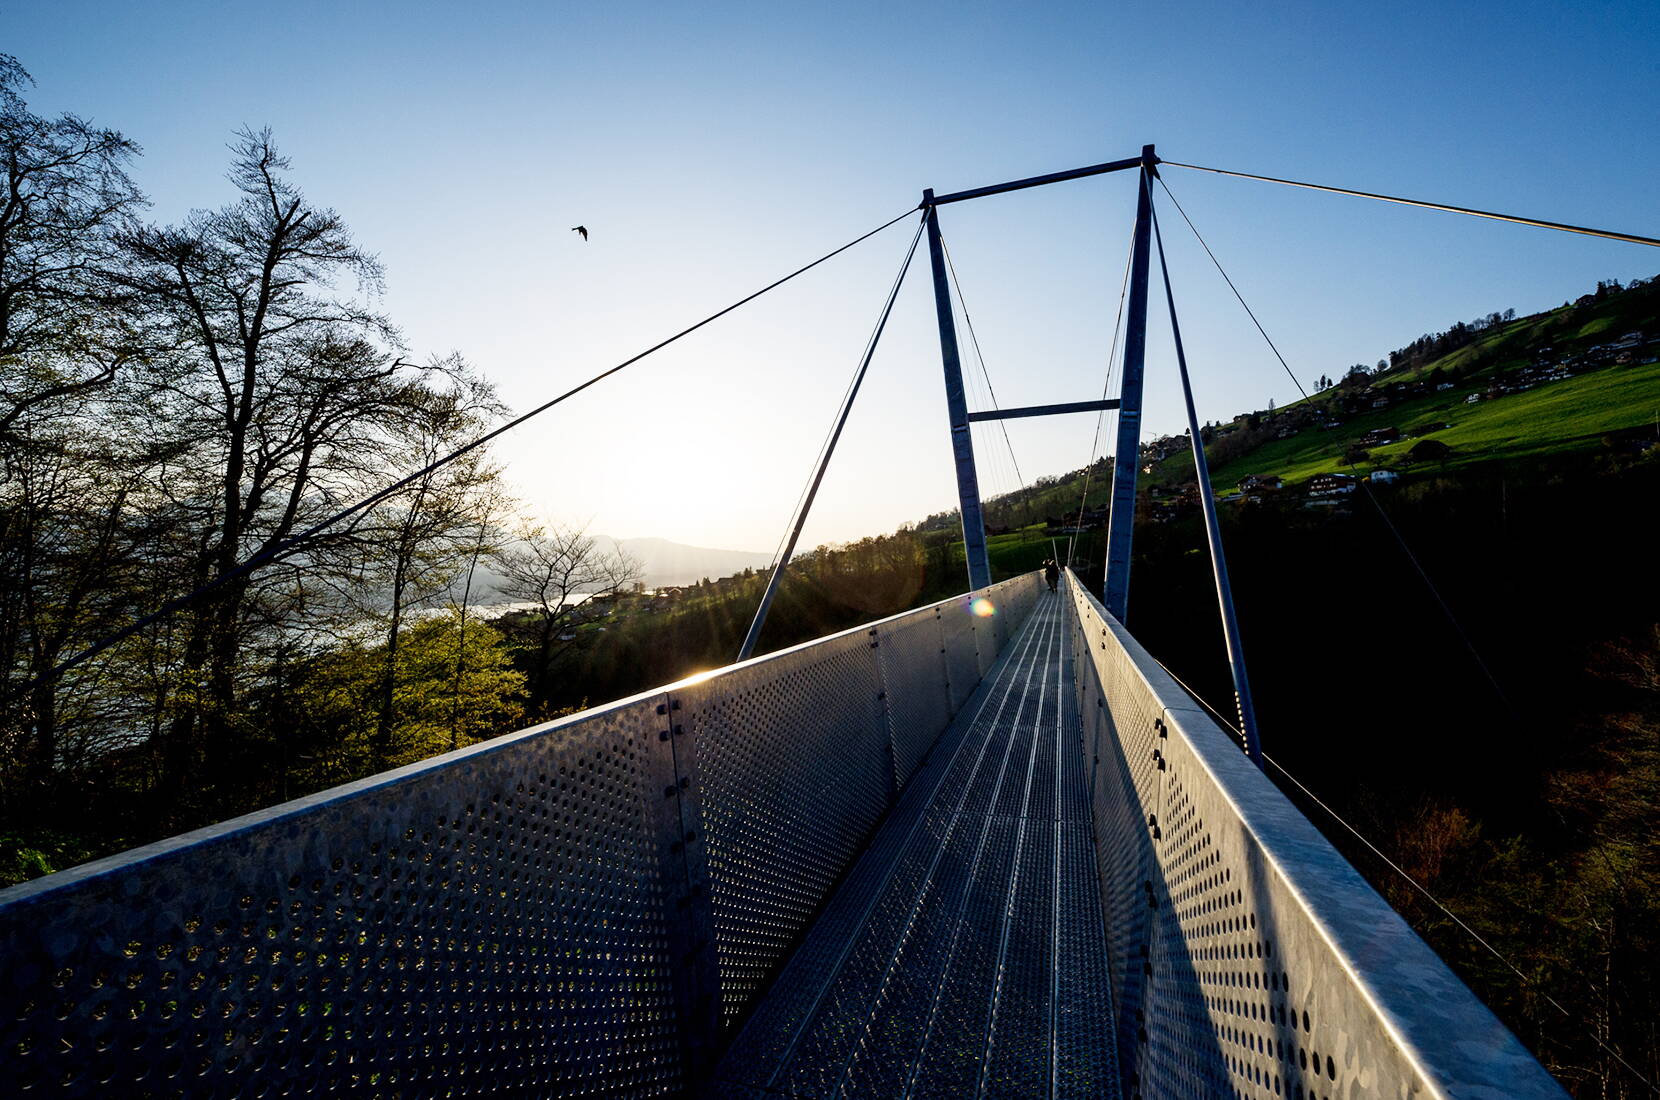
x,y
987,847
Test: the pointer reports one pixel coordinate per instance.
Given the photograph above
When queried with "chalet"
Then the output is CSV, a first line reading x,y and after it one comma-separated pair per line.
x,y
1260,483
1383,477
1379,436
1629,340
1330,485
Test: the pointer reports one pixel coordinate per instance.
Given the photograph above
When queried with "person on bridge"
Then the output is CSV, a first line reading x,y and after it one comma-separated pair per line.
x,y
1051,573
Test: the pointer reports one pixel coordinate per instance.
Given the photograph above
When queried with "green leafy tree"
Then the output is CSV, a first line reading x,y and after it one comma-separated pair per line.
x,y
336,699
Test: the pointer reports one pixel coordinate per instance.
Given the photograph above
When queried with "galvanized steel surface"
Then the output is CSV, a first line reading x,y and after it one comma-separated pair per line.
x,y
963,954
594,905
799,756
1248,958
497,921
574,908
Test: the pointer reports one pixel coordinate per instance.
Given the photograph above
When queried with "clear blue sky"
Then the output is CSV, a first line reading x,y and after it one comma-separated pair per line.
x,y
711,147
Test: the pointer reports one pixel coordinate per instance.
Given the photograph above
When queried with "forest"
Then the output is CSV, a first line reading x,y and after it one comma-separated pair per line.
x,y
182,402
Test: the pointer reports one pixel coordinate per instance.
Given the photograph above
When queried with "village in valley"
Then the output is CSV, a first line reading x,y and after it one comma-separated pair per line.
x,y
1377,426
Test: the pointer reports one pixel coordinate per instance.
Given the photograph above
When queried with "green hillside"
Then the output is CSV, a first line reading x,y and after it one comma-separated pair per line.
x,y
1492,399
1568,415
1523,412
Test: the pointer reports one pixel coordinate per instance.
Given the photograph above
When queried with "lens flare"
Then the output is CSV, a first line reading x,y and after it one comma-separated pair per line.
x,y
982,607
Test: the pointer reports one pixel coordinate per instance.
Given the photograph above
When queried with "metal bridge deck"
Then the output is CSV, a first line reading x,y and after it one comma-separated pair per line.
x,y
963,954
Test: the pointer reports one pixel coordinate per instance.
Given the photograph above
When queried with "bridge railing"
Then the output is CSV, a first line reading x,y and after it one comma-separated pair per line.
x,y
581,907
1248,958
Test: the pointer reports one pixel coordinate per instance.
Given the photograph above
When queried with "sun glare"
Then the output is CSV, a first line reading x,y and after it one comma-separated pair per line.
x,y
982,607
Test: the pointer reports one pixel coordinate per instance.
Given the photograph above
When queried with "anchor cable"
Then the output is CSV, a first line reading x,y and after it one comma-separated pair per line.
x,y
822,464
1452,618
1446,608
975,340
289,545
1613,235
1106,388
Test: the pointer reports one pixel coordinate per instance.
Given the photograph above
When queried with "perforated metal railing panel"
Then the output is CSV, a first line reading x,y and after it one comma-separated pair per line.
x,y
1082,883
499,925
1249,960
917,687
797,757
575,909
964,954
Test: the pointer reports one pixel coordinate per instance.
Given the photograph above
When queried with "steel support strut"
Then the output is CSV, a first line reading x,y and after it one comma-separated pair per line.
x,y
760,619
962,442
1043,410
1213,534
1127,456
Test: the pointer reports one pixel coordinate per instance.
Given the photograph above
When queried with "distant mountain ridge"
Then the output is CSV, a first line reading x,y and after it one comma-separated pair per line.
x,y
675,563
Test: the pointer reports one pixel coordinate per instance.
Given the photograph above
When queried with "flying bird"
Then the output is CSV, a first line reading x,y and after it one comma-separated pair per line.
x,y
582,229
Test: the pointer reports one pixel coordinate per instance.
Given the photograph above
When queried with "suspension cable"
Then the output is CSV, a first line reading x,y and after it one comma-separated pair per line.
x,y
823,464
293,543
1383,514
1423,574
830,433
1629,238
975,340
1249,312
1446,608
1106,388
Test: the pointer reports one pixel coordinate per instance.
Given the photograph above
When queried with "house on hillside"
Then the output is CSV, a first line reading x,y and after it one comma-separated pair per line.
x,y
1429,450
1329,485
1379,436
1260,483
1383,477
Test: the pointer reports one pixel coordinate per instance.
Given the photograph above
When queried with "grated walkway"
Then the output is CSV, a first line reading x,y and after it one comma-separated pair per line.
x,y
964,955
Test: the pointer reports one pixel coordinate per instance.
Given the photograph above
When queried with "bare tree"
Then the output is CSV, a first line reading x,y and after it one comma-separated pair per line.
x,y
66,191
284,396
557,570
63,334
